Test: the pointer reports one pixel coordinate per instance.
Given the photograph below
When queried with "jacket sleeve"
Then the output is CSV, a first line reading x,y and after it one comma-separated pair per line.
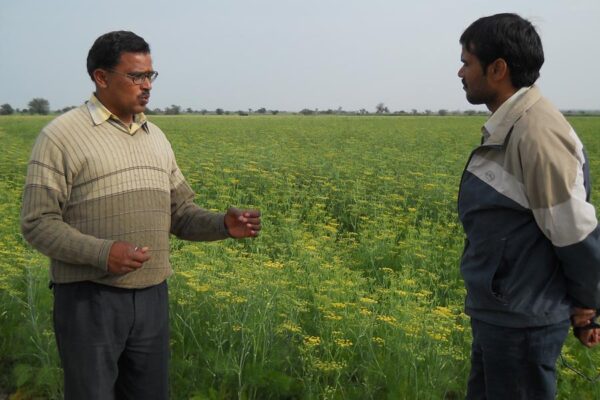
x,y
188,220
554,174
46,193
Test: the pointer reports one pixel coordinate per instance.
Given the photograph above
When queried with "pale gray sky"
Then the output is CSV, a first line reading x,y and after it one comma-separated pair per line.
x,y
289,55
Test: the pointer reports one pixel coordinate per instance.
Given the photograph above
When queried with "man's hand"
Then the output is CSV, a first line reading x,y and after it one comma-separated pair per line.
x,y
588,337
242,223
125,257
582,316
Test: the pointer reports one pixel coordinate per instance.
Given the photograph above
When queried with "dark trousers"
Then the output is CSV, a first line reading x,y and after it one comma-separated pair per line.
x,y
113,343
514,363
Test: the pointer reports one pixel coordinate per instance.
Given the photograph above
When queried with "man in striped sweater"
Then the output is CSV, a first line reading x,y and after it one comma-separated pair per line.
x,y
103,193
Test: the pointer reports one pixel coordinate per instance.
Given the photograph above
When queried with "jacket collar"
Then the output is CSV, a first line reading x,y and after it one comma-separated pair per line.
x,y
513,114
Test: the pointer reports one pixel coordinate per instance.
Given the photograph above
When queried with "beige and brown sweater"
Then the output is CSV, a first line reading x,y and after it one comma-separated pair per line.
x,y
90,183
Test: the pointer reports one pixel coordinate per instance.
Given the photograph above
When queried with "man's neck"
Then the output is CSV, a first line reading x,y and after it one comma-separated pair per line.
x,y
126,119
504,93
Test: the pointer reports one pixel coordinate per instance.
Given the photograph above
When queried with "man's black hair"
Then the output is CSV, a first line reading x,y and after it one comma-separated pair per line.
x,y
510,37
107,49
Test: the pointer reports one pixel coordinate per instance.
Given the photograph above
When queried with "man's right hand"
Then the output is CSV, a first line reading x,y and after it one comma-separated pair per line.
x,y
588,337
125,257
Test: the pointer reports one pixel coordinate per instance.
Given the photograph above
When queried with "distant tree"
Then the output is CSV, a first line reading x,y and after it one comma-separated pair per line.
x,y
6,109
306,111
261,110
219,111
470,112
204,111
65,109
381,108
363,111
173,110
274,112
427,112
189,110
39,106
242,113
414,111
443,112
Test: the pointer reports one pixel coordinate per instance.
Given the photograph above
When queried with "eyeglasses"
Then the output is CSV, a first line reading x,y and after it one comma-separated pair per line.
x,y
138,78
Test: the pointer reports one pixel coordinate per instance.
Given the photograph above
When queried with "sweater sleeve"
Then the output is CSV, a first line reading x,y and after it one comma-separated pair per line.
x,y
47,189
188,220
554,173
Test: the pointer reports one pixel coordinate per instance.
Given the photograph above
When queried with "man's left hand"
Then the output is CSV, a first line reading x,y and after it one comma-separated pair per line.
x,y
582,316
588,337
242,223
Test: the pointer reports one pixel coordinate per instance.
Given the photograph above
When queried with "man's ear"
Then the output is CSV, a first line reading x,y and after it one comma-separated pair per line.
x,y
498,70
100,78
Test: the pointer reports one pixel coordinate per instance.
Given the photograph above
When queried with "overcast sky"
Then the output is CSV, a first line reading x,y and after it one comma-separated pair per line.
x,y
289,55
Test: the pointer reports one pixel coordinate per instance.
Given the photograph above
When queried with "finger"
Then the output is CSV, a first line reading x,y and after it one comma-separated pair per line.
x,y
141,255
579,320
584,339
134,265
253,221
584,316
254,227
582,323
584,312
582,309
251,213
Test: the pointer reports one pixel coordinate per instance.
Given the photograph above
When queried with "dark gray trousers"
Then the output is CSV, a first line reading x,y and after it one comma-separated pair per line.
x,y
113,343
514,363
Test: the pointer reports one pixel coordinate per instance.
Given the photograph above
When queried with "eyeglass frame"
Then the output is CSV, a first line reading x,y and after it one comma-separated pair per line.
x,y
141,76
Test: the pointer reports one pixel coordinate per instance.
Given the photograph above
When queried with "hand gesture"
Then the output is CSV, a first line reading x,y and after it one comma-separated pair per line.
x,y
242,223
125,257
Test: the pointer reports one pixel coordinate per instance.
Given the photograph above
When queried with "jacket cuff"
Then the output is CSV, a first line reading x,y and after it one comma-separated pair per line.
x,y
224,231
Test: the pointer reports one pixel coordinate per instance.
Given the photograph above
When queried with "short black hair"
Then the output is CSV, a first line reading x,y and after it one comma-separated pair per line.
x,y
107,49
510,37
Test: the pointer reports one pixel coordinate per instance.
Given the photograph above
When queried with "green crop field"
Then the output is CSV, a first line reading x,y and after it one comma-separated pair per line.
x,y
352,291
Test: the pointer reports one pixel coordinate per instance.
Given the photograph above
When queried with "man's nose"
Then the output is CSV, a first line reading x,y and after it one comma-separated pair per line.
x,y
147,83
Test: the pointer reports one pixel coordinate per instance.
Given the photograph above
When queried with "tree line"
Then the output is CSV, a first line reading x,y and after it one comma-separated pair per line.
x,y
41,106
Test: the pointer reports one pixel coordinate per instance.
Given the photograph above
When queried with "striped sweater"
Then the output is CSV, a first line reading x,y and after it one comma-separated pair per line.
x,y
90,183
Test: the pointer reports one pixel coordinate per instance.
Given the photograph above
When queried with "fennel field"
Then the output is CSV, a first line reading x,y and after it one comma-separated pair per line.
x,y
352,290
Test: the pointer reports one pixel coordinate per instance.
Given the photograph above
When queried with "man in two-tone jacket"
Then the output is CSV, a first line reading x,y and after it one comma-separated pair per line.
x,y
531,262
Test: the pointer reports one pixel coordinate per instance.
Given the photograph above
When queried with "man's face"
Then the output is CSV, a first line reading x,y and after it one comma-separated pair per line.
x,y
124,97
475,81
